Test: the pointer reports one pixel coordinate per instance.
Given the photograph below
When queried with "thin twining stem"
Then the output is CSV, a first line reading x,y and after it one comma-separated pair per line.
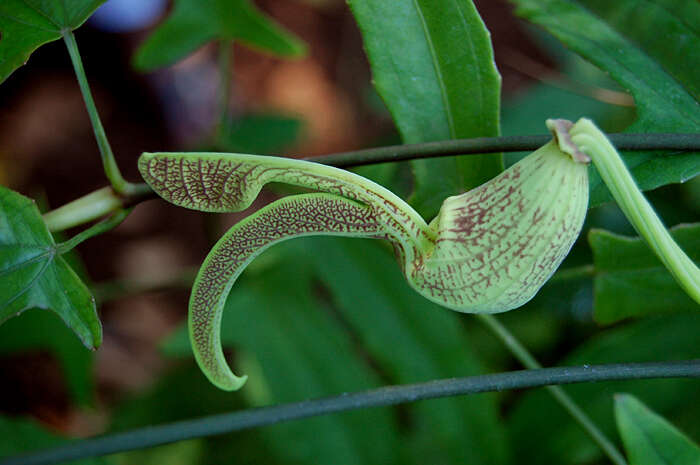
x,y
528,360
385,396
479,145
77,212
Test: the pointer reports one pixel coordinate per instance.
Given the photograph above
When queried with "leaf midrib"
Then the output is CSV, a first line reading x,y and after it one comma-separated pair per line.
x,y
29,285
49,251
647,438
437,69
42,13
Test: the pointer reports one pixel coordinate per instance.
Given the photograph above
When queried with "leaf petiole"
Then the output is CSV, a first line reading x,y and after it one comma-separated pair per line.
x,y
94,230
93,206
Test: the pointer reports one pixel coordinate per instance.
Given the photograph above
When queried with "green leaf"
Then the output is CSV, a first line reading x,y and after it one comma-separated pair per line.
x,y
545,434
259,133
192,23
432,63
34,274
649,439
650,51
40,330
183,393
631,281
178,453
25,435
25,25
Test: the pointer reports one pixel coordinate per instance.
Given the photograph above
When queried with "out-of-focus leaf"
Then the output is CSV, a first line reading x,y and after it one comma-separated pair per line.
x,y
649,439
632,44
182,394
34,274
303,352
630,280
411,340
263,134
192,23
524,113
40,330
179,453
544,433
25,25
24,435
432,63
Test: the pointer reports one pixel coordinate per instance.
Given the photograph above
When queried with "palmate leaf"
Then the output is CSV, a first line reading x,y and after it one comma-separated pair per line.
x,y
27,24
649,439
192,23
33,273
631,281
652,51
432,63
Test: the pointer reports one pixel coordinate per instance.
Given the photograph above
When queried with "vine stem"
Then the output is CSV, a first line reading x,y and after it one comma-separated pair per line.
x,y
94,230
94,205
385,396
77,212
479,145
528,360
120,185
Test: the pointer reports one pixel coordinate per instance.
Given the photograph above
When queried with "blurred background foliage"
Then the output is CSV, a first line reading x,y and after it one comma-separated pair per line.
x,y
317,316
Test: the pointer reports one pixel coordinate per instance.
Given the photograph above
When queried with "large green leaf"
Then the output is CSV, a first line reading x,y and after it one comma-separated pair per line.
x,y
27,24
33,273
654,52
630,280
192,23
649,439
544,432
432,63
41,330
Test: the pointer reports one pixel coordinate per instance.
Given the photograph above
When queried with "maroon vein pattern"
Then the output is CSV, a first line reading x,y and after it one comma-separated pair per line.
x,y
294,216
